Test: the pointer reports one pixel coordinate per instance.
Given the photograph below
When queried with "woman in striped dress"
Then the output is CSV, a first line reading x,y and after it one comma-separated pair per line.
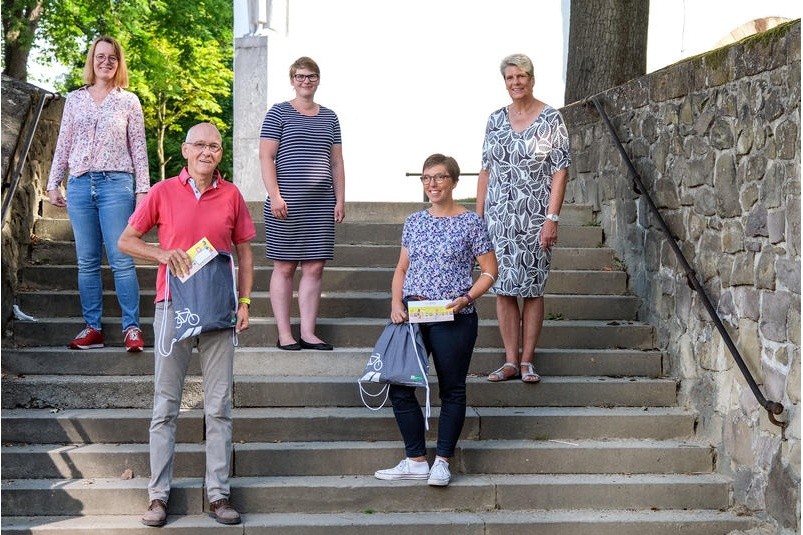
x,y
301,156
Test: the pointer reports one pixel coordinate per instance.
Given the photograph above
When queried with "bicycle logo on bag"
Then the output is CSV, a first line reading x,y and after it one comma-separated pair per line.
x,y
375,361
186,316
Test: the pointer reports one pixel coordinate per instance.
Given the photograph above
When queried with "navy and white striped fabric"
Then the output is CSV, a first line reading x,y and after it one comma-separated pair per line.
x,y
304,170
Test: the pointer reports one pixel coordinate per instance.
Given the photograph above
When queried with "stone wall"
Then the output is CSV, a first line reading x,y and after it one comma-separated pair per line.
x,y
20,101
716,141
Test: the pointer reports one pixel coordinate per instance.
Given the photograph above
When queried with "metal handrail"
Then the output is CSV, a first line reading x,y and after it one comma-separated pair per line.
x,y
15,178
772,407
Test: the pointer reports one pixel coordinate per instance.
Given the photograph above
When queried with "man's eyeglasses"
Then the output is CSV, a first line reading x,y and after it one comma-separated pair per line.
x,y
302,77
102,58
426,179
214,148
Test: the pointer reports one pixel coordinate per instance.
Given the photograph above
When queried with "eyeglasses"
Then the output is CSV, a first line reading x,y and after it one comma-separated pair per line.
x,y
102,58
214,148
302,77
426,179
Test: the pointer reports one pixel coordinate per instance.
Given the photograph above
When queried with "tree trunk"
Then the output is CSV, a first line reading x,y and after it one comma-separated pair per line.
x,y
607,45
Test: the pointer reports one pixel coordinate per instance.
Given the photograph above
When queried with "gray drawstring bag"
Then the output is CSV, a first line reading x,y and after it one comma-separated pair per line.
x,y
207,301
399,358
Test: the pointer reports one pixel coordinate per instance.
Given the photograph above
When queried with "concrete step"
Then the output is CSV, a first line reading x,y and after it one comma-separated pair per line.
x,y
370,522
261,459
344,494
64,276
250,391
377,233
124,426
377,212
57,253
377,304
359,332
341,361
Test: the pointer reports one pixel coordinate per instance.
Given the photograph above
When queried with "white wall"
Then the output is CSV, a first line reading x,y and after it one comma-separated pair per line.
x,y
411,78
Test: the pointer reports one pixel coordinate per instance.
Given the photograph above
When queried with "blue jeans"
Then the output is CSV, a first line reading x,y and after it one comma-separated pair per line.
x,y
451,344
99,204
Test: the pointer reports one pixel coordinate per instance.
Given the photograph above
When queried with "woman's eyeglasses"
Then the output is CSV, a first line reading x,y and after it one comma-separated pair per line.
x,y
103,58
426,179
302,77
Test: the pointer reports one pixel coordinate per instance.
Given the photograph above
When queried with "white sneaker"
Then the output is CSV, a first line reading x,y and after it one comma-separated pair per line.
x,y
406,469
439,475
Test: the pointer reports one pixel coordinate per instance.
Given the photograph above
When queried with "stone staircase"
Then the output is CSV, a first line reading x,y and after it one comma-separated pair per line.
x,y
599,446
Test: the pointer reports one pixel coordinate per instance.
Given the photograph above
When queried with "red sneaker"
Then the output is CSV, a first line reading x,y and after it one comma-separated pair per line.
x,y
89,338
133,340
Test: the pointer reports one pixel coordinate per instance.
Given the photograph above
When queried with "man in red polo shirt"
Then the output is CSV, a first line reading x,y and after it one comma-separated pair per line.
x,y
196,204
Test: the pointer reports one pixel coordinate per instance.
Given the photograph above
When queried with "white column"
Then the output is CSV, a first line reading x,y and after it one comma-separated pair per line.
x,y
250,105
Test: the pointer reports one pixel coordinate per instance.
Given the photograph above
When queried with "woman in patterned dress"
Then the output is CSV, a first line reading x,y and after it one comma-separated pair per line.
x,y
102,150
301,156
440,246
525,160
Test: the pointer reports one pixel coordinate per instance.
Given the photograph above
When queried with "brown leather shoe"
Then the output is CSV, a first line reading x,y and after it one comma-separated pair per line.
x,y
223,513
156,515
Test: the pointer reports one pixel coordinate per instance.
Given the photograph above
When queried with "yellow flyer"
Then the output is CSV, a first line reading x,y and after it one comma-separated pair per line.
x,y
200,254
429,311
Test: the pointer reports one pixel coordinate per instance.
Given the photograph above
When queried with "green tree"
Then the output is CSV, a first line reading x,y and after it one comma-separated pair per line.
x,y
184,73
179,57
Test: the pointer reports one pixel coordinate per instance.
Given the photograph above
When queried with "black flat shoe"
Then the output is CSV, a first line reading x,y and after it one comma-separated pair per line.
x,y
320,346
295,346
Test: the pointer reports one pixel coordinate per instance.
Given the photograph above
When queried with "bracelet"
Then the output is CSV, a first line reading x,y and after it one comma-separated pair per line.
x,y
488,275
469,299
245,300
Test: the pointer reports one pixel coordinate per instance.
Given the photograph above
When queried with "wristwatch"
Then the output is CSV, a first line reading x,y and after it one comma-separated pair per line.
x,y
553,217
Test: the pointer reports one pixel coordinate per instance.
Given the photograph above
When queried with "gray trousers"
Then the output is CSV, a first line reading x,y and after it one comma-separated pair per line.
x,y
216,350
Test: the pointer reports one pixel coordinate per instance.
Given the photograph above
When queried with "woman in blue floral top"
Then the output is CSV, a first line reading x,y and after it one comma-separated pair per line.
x,y
440,246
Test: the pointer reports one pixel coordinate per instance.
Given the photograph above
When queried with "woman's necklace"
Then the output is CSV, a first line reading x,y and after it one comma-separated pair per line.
x,y
528,108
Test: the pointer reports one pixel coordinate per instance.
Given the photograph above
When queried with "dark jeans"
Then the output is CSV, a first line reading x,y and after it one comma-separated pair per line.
x,y
451,344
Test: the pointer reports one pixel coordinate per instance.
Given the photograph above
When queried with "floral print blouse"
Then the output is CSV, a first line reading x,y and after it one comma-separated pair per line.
x,y
442,252
101,137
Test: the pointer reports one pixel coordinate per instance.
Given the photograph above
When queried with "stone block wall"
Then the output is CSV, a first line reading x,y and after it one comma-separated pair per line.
x,y
716,141
19,104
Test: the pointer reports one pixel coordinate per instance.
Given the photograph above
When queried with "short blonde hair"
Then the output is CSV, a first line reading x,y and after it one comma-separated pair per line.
x,y
517,60
120,75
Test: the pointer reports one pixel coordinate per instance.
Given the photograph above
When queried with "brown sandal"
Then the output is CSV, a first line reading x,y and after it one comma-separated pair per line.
x,y
500,375
528,374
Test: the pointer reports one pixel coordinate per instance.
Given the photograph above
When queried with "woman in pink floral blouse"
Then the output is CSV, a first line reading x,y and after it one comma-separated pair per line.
x,y
102,145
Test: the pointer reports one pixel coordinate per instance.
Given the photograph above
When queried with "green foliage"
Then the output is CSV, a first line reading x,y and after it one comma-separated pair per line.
x,y
19,20
179,57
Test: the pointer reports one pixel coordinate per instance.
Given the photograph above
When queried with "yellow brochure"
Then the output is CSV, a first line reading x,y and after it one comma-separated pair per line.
x,y
429,311
200,254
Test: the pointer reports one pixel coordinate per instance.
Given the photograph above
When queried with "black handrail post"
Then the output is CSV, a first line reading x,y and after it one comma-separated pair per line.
x,y
772,407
